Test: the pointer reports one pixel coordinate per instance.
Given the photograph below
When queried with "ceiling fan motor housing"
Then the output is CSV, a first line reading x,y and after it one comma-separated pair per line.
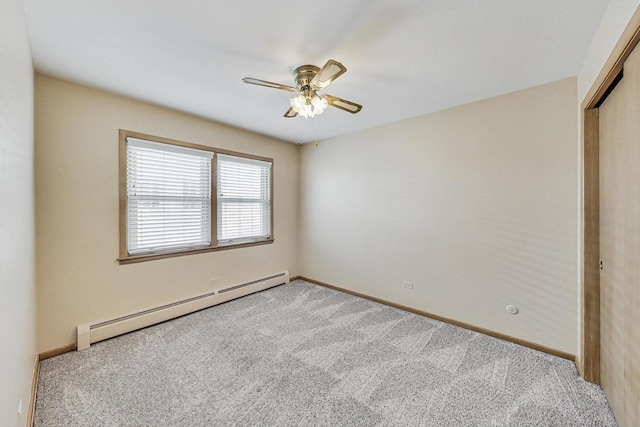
x,y
304,74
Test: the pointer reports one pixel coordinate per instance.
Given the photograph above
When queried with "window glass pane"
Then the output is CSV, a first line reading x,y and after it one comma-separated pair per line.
x,y
168,197
244,199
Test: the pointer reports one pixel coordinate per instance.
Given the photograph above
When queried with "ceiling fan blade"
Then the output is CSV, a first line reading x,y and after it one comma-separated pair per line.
x,y
331,71
269,84
343,104
290,113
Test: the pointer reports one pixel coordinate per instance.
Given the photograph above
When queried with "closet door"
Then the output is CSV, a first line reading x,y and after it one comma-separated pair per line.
x,y
620,244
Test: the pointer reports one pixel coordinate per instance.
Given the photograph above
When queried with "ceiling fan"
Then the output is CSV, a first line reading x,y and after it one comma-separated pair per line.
x,y
309,80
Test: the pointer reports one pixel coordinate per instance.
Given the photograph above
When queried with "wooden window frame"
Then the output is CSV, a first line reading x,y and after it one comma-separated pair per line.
x,y
125,258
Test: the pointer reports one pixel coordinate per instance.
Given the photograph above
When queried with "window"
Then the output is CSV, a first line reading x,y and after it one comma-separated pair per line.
x,y
168,197
244,199
167,204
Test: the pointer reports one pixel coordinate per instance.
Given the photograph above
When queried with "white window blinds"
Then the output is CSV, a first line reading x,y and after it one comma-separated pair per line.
x,y
168,197
244,199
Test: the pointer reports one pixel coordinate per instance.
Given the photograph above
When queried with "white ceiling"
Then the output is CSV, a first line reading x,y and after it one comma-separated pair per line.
x,y
405,58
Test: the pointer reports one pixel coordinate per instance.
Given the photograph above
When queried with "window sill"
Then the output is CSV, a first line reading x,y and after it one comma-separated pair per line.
x,y
142,258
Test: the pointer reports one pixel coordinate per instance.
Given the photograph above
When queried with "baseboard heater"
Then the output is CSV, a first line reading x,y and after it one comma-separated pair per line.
x,y
93,332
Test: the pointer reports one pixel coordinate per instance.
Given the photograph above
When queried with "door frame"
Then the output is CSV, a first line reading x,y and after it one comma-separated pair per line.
x,y
588,359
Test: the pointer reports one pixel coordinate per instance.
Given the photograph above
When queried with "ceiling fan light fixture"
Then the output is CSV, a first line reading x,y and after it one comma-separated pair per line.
x,y
309,104
319,104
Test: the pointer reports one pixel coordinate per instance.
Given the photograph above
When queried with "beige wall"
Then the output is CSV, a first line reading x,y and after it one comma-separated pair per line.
x,y
17,275
76,160
475,205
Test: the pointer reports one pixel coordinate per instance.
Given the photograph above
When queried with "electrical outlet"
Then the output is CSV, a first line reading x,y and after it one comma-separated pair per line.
x,y
407,285
213,281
